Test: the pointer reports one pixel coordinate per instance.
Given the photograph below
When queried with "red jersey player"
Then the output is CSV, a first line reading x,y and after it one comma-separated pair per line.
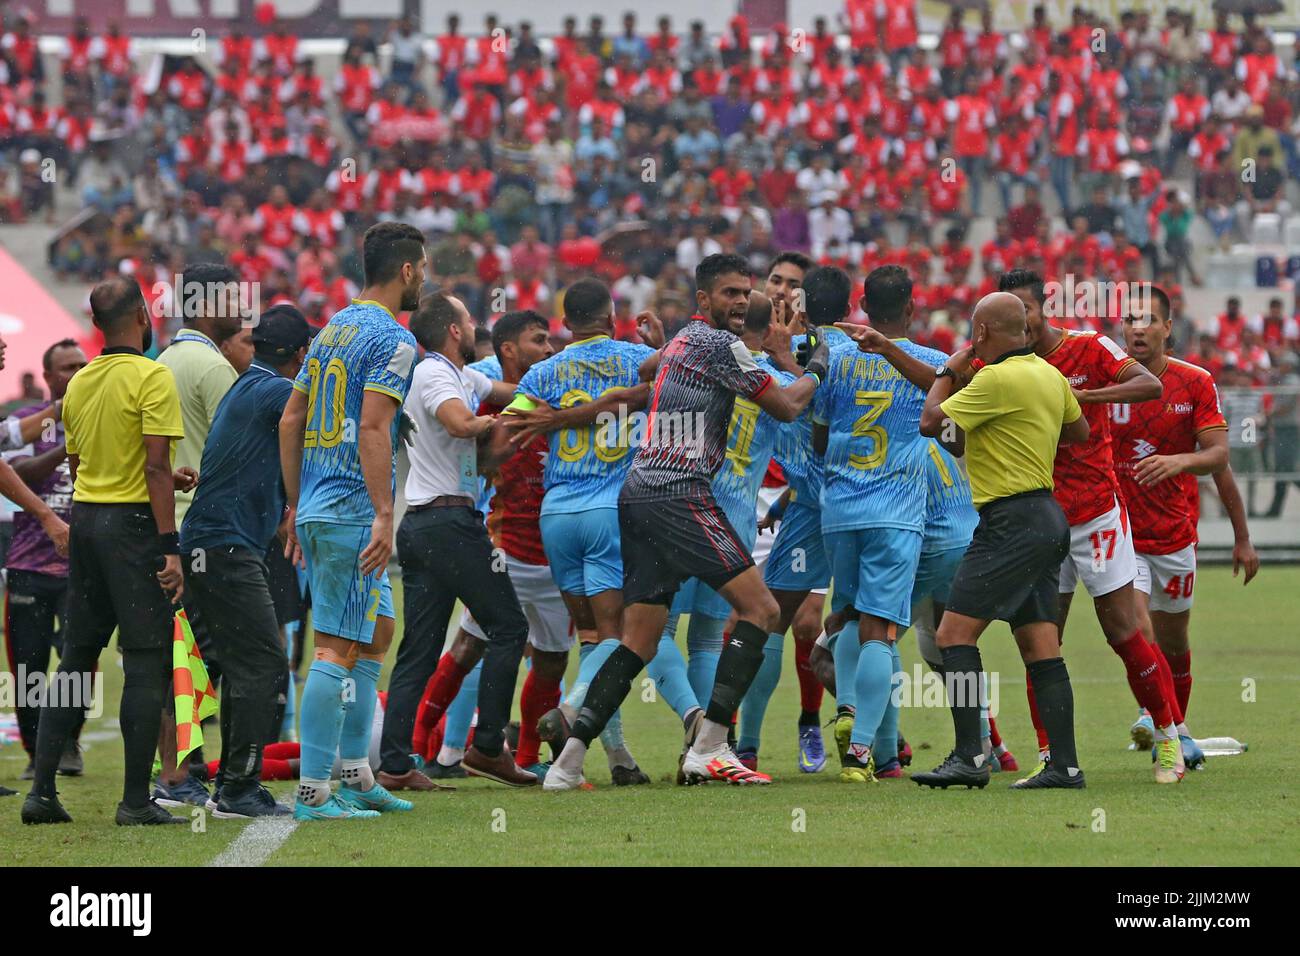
x,y
1160,448
1101,538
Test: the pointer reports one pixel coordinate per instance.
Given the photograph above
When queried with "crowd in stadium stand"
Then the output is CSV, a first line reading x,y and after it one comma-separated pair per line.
x,y
634,151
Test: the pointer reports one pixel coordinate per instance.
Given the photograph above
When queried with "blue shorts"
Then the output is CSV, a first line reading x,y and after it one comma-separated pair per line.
x,y
344,603
584,550
874,569
798,559
934,575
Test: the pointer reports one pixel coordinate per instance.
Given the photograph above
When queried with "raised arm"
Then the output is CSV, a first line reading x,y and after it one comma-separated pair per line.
x,y
1133,384
874,342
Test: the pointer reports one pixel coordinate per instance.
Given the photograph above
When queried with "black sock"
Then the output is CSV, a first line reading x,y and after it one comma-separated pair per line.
x,y
809,718
57,723
962,669
1055,698
741,658
606,693
145,676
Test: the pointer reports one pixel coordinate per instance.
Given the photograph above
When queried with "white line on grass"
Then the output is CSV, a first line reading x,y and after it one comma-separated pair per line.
x,y
260,839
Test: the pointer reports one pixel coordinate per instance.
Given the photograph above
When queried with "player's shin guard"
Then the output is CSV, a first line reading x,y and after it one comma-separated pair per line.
x,y
741,658
668,671
873,680
358,715
810,688
1144,678
885,747
704,643
1180,671
846,654
539,695
754,707
320,725
606,692
1039,729
962,668
460,715
1051,683
1167,684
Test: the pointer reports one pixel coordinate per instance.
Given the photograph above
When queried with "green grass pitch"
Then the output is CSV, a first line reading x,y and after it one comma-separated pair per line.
x,y
1240,810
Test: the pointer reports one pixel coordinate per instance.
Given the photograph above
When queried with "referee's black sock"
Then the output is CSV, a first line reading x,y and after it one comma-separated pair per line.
x,y
606,693
962,668
61,712
1055,698
741,658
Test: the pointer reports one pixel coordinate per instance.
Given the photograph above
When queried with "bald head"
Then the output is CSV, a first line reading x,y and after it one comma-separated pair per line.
x,y
998,324
759,314
114,302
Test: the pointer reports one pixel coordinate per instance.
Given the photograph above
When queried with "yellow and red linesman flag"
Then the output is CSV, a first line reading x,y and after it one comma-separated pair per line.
x,y
195,699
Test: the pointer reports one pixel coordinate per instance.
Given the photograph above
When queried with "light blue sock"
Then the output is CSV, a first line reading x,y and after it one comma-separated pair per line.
x,y
461,712
668,671
590,659
321,718
846,654
984,707
359,712
886,746
754,704
291,695
703,649
874,681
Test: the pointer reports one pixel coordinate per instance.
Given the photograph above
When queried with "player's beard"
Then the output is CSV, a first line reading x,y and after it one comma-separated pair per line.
x,y
411,297
467,349
146,340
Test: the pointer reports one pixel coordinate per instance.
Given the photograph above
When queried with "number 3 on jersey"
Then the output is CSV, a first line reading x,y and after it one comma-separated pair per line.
x,y
866,427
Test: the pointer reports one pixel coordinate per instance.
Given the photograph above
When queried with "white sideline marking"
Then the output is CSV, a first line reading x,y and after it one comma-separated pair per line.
x,y
260,839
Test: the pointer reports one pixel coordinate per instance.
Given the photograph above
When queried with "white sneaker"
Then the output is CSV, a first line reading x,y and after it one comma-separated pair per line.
x,y
558,779
720,764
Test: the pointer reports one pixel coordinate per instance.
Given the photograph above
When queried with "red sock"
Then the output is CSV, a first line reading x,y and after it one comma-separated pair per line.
x,y
810,688
441,690
995,738
285,750
1180,671
539,695
1144,677
1033,714
434,742
1167,684
277,770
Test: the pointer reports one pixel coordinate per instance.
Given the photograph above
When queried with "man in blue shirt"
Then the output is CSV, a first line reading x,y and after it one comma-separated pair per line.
x,y
236,511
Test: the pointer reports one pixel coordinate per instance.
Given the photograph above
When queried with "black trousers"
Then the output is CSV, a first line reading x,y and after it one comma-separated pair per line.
x,y
446,556
229,588
35,609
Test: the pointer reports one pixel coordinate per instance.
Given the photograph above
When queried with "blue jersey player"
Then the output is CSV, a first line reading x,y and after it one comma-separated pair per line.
x,y
338,453
873,505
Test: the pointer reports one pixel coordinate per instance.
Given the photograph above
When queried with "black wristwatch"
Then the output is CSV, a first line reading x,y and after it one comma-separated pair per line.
x,y
946,372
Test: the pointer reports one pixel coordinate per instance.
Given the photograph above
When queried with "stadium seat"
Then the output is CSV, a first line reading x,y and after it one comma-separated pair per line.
x,y
1291,235
1266,229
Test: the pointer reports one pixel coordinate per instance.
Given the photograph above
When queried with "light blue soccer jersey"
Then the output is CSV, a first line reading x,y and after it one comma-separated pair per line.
x,y
950,517
752,438
586,466
362,349
489,366
803,469
875,455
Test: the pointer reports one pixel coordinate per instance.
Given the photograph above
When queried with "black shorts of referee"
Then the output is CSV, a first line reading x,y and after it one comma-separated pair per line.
x,y
666,541
228,585
1010,571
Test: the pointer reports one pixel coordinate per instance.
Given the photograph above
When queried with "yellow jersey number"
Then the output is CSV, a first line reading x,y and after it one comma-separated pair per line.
x,y
740,435
325,430
944,474
866,427
576,442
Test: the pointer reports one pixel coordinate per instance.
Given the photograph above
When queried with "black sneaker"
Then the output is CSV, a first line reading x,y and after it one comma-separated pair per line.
x,y
6,792
956,771
438,771
1051,777
147,816
628,776
44,810
71,764
257,802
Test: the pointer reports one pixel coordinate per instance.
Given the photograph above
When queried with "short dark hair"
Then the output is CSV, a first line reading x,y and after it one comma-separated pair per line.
x,y
1161,296
826,292
386,247
1023,279
113,300
585,300
711,268
797,259
47,359
206,275
431,320
886,291
514,324
481,335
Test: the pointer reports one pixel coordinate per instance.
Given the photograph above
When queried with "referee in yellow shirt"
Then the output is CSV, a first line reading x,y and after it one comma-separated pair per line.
x,y
121,416
1009,420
